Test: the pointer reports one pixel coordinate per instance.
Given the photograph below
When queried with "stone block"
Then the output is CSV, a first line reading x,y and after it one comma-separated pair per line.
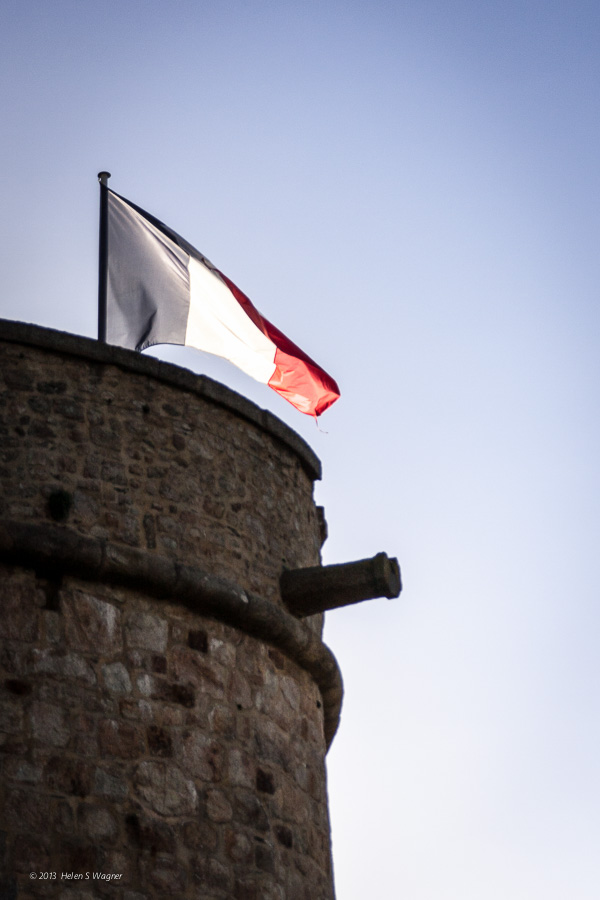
x,y
222,721
218,807
241,768
92,625
52,626
222,653
212,874
238,846
20,604
199,835
273,745
26,810
116,678
64,818
169,717
164,788
250,811
146,631
150,835
11,717
120,862
264,857
145,684
97,823
63,665
201,757
49,725
190,666
69,776
22,771
168,876
73,695
136,710
120,739
110,784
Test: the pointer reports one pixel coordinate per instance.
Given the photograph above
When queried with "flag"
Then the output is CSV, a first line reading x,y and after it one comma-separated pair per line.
x,y
161,290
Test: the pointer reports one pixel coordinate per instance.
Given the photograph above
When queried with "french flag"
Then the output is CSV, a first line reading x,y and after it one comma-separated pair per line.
x,y
161,290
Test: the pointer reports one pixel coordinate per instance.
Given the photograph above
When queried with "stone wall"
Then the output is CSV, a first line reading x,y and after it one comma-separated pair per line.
x,y
149,464
162,717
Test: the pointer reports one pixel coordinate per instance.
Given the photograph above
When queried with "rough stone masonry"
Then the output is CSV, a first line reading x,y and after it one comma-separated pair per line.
x,y
164,719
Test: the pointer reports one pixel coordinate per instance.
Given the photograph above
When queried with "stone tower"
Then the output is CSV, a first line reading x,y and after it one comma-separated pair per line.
x,y
164,714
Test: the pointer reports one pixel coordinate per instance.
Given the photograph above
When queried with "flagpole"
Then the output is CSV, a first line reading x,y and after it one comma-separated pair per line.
x,y
103,255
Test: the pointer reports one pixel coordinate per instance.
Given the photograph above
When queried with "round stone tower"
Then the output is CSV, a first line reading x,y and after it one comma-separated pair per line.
x,y
164,717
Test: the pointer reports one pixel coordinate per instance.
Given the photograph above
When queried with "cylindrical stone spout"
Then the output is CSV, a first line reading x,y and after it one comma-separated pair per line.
x,y
319,588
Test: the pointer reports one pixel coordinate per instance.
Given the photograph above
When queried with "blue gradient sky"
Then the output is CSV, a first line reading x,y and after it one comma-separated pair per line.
x,y
409,190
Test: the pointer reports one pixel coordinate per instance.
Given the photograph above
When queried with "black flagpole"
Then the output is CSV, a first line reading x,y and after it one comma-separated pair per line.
x,y
103,255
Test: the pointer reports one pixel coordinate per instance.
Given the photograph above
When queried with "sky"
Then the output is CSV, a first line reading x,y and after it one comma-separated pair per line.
x,y
410,191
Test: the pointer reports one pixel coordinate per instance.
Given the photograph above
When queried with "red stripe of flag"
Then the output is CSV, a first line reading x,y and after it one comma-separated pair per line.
x,y
297,377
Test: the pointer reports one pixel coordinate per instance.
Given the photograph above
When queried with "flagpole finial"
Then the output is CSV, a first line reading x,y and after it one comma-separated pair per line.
x,y
103,178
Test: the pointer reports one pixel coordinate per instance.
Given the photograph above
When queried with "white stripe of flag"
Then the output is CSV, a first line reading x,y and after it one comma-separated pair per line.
x,y
161,290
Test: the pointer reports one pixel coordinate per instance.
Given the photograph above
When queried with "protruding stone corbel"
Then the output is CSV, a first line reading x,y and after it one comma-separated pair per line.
x,y
319,588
